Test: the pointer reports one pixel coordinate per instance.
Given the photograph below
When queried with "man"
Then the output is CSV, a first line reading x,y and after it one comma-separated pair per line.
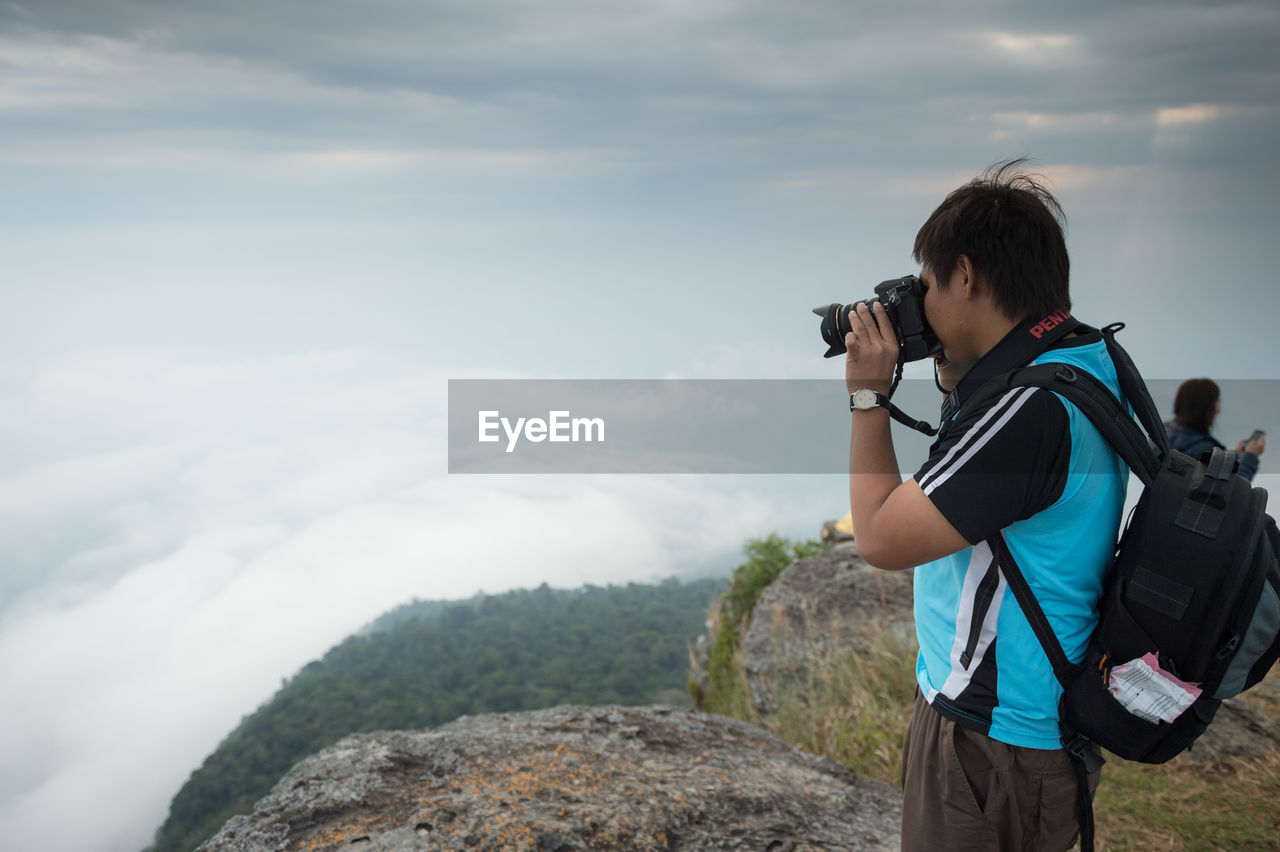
x,y
1025,479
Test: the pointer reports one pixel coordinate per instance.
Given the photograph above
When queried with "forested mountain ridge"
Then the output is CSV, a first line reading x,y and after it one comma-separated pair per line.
x,y
426,664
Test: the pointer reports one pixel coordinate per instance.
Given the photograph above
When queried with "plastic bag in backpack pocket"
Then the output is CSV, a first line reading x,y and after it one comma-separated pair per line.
x,y
1089,708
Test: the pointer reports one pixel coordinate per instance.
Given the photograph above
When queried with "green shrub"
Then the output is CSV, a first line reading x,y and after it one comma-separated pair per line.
x,y
767,557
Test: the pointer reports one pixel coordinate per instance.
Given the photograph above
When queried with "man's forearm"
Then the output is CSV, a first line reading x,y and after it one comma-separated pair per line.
x,y
873,469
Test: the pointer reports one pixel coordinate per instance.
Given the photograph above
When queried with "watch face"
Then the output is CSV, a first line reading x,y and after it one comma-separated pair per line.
x,y
864,399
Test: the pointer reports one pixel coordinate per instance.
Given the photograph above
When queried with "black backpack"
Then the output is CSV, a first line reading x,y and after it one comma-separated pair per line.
x,y
1190,602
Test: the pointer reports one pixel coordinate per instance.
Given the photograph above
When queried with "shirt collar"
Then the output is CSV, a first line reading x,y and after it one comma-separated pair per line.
x,y
1024,342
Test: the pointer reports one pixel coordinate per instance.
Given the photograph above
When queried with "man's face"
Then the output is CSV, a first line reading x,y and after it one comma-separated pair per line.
x,y
943,310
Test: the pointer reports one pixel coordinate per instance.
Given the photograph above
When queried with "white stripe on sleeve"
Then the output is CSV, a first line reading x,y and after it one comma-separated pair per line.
x,y
976,438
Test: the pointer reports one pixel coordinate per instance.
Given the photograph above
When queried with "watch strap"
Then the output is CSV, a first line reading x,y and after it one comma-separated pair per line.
x,y
895,412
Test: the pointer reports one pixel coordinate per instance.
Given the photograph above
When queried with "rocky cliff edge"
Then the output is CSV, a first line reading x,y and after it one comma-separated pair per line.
x,y
569,778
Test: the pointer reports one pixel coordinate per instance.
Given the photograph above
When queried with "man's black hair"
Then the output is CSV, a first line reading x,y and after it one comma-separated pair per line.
x,y
1011,229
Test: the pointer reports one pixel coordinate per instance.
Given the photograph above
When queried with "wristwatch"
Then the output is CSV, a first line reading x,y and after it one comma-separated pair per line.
x,y
865,399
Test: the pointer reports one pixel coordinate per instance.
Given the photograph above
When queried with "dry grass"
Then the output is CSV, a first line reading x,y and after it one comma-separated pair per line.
x,y
854,711
1181,806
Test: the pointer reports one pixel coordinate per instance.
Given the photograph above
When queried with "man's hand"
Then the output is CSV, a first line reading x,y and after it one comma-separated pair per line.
x,y
872,350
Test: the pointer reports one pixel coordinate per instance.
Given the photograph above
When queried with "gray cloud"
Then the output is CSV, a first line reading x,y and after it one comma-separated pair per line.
x,y
246,243
621,71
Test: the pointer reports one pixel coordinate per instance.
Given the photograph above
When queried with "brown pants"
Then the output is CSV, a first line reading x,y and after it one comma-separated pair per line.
x,y
965,791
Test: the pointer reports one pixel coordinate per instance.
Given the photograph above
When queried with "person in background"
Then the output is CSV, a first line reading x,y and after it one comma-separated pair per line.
x,y
1195,406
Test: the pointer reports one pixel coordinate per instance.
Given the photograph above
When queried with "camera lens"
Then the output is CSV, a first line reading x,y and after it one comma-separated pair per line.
x,y
835,325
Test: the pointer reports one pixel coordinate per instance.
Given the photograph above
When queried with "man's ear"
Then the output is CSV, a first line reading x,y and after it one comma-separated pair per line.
x,y
968,276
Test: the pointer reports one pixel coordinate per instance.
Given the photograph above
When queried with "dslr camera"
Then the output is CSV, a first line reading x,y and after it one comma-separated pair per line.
x,y
903,300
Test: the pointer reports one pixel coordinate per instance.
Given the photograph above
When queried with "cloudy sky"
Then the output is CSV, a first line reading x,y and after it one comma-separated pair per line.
x,y
247,244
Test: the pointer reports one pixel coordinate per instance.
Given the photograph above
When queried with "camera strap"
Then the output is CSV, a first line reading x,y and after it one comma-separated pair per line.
x,y
1026,341
910,422
921,426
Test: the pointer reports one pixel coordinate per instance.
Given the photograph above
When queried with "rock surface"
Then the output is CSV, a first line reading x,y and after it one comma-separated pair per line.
x,y
829,605
1245,727
569,778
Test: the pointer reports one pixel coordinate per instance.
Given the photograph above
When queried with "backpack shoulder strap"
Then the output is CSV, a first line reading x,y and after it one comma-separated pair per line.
x,y
1063,669
1100,405
1135,389
1100,400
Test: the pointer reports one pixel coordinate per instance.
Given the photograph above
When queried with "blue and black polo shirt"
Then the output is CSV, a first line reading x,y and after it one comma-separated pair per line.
x,y
1031,469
